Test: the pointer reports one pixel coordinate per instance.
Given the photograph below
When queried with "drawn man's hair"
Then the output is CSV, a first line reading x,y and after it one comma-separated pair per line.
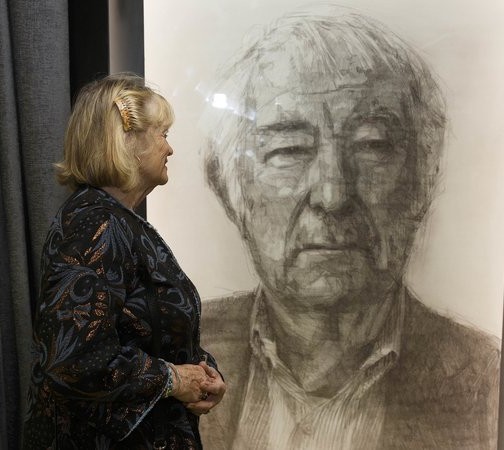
x,y
371,47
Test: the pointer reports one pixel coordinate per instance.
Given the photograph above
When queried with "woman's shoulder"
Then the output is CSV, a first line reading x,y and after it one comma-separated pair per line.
x,y
93,205
90,212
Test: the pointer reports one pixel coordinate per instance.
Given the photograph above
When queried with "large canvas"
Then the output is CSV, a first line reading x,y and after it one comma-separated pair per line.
x,y
335,196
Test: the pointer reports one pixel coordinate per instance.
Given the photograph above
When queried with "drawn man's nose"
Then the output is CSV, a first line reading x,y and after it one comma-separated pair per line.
x,y
328,186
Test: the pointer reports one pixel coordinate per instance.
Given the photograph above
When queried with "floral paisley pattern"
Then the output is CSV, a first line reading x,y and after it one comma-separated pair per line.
x,y
94,384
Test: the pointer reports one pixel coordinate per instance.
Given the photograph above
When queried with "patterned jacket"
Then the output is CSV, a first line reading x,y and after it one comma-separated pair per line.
x,y
94,384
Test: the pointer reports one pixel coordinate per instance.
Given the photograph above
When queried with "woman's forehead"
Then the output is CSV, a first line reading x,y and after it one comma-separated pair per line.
x,y
160,111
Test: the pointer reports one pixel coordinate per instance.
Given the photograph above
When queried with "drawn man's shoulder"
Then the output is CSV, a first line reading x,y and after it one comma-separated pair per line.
x,y
446,355
236,306
448,336
443,393
225,321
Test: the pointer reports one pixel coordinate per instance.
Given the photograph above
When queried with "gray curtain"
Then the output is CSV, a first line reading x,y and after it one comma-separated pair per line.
x,y
34,106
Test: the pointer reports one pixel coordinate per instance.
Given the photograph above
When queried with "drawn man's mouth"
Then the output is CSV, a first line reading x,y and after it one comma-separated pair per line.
x,y
327,248
327,251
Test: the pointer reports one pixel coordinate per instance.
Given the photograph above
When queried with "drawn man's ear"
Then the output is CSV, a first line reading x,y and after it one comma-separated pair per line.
x,y
215,178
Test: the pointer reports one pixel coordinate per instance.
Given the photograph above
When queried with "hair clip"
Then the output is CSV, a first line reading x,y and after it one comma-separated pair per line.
x,y
125,114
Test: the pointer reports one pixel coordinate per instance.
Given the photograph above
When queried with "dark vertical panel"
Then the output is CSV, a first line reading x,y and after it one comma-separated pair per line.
x,y
89,42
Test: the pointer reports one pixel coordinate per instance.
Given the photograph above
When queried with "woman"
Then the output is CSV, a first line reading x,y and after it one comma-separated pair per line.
x,y
117,362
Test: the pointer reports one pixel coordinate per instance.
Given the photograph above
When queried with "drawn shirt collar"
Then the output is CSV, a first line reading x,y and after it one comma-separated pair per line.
x,y
386,348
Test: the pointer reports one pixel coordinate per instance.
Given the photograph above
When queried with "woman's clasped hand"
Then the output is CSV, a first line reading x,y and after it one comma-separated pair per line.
x,y
203,388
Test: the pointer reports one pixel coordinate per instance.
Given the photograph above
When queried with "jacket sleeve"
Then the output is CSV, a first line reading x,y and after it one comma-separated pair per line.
x,y
88,272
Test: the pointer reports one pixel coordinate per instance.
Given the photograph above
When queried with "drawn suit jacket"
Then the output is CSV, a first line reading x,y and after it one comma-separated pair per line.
x,y
442,394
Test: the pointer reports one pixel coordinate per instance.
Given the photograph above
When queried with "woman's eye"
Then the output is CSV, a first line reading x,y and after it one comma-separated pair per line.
x,y
288,156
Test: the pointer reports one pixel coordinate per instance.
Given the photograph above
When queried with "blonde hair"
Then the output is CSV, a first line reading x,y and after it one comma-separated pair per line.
x,y
105,129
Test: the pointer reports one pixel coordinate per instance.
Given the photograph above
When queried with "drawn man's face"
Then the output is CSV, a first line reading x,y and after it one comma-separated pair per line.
x,y
329,183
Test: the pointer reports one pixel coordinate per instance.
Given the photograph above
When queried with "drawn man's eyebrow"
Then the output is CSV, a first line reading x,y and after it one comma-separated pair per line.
x,y
384,116
287,125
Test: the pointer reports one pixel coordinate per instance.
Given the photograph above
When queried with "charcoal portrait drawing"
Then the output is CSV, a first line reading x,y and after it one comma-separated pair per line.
x,y
325,153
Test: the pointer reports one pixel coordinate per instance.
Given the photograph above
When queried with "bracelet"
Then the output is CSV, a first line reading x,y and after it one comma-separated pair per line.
x,y
169,384
177,376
